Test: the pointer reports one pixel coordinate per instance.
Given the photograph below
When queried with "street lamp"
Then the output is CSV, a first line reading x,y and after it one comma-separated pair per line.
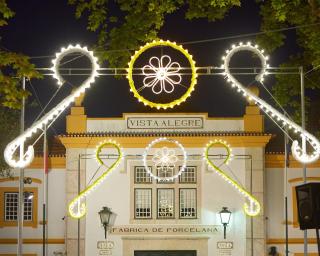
x,y
225,215
28,195
105,216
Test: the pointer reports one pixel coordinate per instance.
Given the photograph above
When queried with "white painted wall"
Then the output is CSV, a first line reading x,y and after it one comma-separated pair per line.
x,y
114,192
57,209
275,202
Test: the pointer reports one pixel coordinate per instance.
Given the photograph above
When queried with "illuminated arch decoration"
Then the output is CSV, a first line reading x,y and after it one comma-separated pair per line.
x,y
162,74
25,157
251,209
165,157
298,152
77,207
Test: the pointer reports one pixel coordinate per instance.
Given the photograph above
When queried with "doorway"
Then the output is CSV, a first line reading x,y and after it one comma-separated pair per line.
x,y
165,253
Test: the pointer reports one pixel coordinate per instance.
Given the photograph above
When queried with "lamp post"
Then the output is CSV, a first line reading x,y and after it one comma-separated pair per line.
x,y
105,215
225,215
28,195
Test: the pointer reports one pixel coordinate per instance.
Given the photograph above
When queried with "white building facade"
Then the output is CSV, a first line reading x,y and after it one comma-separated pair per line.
x,y
167,218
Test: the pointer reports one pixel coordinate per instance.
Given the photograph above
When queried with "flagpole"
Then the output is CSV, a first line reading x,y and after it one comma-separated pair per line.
x,y
286,156
304,169
21,181
45,172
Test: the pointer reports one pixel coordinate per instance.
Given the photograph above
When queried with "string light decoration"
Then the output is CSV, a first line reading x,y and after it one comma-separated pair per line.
x,y
251,209
24,158
162,75
77,207
298,152
165,157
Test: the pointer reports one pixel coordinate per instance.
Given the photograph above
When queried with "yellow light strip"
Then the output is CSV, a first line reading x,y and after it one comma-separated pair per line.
x,y
176,101
77,207
251,209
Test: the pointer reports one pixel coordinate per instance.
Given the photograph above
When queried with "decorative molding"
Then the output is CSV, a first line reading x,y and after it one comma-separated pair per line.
x,y
290,241
35,180
13,254
54,162
32,241
236,140
278,161
309,254
300,179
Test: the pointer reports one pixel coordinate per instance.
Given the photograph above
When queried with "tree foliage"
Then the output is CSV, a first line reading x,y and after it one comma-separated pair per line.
x,y
9,129
305,15
139,22
13,67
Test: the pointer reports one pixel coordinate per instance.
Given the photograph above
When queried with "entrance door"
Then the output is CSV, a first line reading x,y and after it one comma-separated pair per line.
x,y
165,253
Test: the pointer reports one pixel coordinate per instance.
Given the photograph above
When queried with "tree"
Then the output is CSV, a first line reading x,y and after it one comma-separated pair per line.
x,y
8,130
13,67
306,16
140,23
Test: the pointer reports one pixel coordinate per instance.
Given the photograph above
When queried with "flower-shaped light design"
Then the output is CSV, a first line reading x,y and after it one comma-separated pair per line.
x,y
165,157
161,74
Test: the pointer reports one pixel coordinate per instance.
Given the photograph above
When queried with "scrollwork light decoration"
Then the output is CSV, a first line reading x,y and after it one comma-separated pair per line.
x,y
253,207
298,152
24,158
77,207
165,158
162,75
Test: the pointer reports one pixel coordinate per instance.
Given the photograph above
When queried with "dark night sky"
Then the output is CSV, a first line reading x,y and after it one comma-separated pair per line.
x,y
40,28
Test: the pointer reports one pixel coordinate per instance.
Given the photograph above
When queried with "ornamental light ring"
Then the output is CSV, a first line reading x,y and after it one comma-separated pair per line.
x,y
165,157
298,152
18,144
161,75
72,50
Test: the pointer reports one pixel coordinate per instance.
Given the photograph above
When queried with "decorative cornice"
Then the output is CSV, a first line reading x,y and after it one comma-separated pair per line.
x,y
277,160
32,241
291,241
54,162
35,180
188,139
164,133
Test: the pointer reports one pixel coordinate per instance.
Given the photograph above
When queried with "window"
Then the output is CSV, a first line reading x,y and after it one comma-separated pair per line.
x,y
189,175
9,198
165,204
164,172
143,203
141,175
188,203
165,198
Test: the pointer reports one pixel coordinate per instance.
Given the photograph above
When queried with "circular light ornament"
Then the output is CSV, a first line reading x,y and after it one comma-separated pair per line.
x,y
77,207
161,76
71,50
165,157
251,209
